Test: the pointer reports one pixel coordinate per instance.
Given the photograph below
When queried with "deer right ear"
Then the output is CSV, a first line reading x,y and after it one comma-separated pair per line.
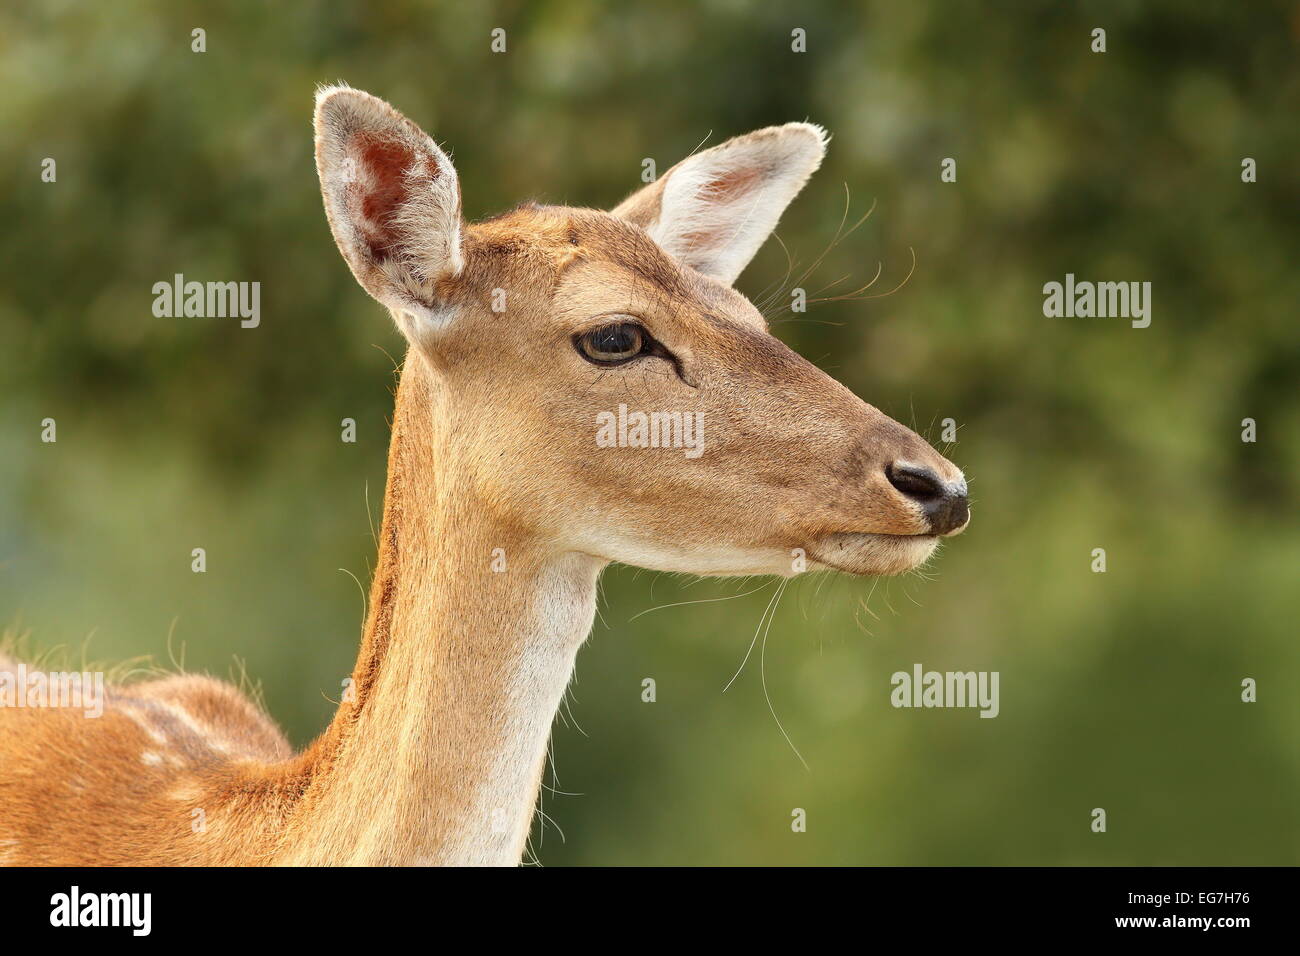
x,y
393,202
714,209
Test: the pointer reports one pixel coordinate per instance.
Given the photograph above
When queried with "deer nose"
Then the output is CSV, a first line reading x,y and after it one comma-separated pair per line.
x,y
943,502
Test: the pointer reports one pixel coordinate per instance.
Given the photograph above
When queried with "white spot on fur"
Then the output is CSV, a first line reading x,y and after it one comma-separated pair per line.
x,y
153,733
186,793
203,732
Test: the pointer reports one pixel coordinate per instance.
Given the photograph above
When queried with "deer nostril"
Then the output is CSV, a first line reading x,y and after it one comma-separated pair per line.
x,y
915,482
945,505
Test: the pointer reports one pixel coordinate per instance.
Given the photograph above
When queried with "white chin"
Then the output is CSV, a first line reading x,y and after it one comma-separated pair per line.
x,y
874,553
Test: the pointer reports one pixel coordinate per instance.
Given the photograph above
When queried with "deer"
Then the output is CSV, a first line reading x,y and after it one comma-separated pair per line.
x,y
500,513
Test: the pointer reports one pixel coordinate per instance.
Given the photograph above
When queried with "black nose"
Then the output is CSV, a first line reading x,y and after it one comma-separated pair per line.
x,y
944,503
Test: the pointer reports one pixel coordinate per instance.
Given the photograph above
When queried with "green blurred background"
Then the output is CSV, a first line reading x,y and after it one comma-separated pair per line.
x,y
1119,690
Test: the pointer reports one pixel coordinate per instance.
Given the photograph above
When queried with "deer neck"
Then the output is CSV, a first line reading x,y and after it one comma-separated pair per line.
x,y
436,753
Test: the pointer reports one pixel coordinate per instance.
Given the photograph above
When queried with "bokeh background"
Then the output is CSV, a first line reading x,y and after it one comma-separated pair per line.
x,y
1119,690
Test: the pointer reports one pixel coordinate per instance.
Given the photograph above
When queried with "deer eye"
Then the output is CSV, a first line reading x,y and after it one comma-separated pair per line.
x,y
613,344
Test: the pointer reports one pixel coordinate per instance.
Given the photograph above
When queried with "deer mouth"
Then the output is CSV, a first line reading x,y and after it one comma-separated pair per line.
x,y
871,553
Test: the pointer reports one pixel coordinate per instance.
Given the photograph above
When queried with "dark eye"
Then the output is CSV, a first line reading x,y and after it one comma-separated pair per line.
x,y
613,344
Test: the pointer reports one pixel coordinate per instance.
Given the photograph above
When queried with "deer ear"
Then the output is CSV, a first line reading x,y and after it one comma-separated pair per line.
x,y
393,202
713,210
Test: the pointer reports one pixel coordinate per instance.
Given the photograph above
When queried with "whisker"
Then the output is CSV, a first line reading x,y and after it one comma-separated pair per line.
x,y
754,641
762,673
725,597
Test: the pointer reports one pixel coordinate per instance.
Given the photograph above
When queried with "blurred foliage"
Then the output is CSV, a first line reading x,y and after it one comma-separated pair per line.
x,y
1119,690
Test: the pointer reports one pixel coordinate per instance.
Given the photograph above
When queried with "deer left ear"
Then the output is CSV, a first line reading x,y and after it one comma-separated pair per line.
x,y
712,211
393,202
